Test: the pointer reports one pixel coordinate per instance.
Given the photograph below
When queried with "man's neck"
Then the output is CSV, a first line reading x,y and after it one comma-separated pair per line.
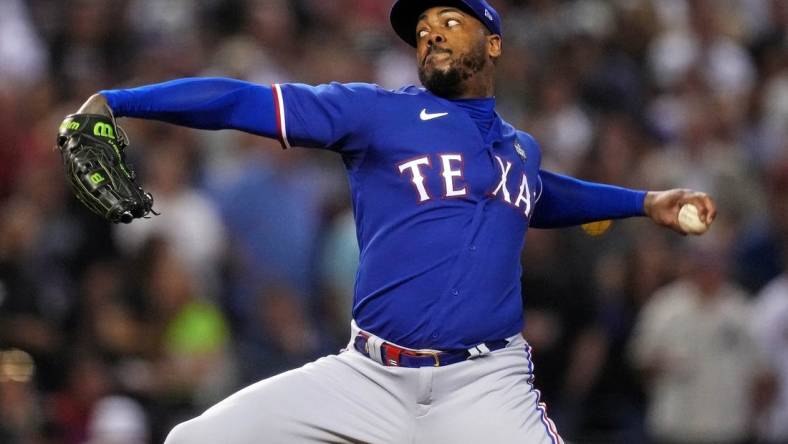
x,y
479,86
477,90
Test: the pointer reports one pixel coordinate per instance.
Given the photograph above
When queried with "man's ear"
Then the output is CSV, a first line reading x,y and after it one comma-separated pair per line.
x,y
494,46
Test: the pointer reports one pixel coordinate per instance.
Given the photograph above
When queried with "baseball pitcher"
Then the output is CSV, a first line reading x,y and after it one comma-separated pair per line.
x,y
443,193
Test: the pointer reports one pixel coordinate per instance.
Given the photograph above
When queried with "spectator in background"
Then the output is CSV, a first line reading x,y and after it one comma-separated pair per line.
x,y
770,319
579,322
760,254
88,379
86,49
693,343
767,130
26,321
21,412
118,420
700,34
282,337
108,318
562,126
268,21
191,224
193,365
558,315
703,154
23,53
273,219
155,22
338,265
770,326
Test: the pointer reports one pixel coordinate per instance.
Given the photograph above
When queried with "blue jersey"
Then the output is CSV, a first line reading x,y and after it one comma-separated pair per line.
x,y
441,209
441,214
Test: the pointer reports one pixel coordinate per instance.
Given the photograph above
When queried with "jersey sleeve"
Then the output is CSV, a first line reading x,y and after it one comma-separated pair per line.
x,y
204,103
334,116
564,201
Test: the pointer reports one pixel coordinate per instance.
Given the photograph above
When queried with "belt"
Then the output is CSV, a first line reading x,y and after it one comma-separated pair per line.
x,y
392,355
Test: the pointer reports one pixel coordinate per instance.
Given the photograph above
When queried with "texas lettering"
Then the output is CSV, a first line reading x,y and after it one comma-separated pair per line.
x,y
451,171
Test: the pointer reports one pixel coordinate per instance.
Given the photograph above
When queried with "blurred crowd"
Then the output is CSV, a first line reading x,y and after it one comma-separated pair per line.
x,y
113,334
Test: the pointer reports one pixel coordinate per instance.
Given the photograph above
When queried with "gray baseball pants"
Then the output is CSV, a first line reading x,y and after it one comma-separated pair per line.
x,y
350,398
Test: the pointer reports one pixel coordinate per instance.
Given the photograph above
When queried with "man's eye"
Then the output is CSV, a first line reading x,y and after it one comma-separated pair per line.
x,y
452,23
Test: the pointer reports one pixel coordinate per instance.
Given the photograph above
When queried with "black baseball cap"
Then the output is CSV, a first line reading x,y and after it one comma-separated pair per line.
x,y
405,15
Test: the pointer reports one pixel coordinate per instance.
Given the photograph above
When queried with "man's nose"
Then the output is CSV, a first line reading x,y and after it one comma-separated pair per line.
x,y
435,38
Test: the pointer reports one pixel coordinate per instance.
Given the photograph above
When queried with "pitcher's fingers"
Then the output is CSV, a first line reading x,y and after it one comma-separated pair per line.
x,y
711,208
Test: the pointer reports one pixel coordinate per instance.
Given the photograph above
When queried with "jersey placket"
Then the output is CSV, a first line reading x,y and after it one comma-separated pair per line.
x,y
464,260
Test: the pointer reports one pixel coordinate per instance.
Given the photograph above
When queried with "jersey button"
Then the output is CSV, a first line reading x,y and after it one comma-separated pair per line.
x,y
455,292
435,335
472,248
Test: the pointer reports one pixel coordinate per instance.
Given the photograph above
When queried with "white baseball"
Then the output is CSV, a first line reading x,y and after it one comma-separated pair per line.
x,y
689,220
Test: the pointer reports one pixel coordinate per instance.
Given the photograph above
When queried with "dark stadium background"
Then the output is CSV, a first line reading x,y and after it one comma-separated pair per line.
x,y
125,331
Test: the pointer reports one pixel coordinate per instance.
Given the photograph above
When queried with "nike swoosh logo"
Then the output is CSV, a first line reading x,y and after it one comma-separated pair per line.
x,y
427,116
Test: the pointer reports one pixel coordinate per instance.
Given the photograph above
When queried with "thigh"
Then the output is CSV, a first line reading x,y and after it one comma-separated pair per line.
x,y
491,399
338,399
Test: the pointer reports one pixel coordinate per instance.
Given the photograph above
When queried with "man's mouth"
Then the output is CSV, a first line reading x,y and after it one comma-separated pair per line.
x,y
435,51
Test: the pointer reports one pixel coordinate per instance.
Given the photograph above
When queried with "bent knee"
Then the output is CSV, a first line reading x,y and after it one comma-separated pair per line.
x,y
190,432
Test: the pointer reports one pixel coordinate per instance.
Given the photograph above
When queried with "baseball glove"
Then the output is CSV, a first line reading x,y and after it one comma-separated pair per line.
x,y
92,148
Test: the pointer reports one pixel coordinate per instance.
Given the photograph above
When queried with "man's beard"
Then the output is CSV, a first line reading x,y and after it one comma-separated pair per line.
x,y
451,82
